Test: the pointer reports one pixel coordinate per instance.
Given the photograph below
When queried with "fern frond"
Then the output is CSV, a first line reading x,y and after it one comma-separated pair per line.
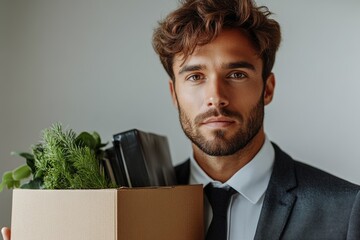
x,y
65,165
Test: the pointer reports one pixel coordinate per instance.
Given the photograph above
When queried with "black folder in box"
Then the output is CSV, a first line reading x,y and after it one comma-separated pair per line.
x,y
142,159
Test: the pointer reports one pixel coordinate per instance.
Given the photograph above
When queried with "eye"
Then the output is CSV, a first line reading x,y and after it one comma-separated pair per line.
x,y
194,77
237,75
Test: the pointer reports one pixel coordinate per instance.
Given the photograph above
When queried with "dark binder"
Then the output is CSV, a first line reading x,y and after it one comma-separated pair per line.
x,y
113,168
142,159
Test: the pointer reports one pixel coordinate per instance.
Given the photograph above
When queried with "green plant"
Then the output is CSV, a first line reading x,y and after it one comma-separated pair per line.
x,y
62,160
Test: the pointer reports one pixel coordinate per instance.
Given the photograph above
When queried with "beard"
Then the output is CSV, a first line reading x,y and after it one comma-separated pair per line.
x,y
221,145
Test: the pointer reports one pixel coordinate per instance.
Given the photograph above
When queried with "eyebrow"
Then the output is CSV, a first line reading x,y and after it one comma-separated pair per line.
x,y
231,65
190,68
240,64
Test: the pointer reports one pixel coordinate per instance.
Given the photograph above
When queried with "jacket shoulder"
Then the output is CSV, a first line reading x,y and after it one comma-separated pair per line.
x,y
182,172
307,176
311,176
313,203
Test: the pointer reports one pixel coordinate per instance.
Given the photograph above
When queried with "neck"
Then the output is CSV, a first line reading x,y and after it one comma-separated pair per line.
x,y
222,168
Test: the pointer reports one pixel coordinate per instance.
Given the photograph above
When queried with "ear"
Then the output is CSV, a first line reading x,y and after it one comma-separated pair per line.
x,y
172,92
269,89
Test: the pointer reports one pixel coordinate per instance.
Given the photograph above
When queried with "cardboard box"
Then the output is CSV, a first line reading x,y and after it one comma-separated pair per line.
x,y
174,213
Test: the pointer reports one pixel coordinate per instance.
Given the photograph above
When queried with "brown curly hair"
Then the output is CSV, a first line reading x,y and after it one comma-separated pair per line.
x,y
198,22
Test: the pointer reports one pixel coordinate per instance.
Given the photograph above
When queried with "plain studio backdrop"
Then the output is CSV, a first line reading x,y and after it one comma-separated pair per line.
x,y
90,65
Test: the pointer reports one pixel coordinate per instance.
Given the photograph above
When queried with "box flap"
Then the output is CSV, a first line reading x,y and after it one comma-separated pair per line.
x,y
174,213
72,214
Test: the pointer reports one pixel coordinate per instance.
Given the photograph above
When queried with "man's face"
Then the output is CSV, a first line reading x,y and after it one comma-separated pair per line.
x,y
220,94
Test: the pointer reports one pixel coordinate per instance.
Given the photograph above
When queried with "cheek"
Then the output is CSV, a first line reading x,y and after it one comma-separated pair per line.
x,y
187,106
243,99
189,100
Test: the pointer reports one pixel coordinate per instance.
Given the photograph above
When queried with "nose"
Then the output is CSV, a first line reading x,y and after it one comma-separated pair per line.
x,y
217,102
216,95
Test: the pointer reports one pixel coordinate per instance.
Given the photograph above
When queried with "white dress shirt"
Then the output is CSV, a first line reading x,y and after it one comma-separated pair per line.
x,y
250,182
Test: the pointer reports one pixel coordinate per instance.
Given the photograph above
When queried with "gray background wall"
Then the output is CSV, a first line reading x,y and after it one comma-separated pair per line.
x,y
90,65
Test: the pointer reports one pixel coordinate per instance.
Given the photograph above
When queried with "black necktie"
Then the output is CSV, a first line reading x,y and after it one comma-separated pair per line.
x,y
219,199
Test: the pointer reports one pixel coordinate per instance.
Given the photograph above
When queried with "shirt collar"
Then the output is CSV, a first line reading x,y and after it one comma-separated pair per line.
x,y
250,181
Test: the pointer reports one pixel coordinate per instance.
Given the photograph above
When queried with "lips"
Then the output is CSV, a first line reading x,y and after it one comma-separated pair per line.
x,y
218,122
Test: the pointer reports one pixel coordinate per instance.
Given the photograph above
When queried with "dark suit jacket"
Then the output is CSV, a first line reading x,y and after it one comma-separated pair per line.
x,y
302,202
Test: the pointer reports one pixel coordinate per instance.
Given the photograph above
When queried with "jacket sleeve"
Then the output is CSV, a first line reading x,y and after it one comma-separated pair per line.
x,y
354,223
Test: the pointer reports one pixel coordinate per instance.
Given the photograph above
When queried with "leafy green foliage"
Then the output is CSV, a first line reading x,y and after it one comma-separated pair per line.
x,y
21,172
9,181
61,160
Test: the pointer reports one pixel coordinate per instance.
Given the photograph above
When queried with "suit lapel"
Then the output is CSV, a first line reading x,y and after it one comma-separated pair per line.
x,y
279,198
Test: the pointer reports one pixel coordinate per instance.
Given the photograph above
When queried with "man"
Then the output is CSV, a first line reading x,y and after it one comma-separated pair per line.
x,y
219,55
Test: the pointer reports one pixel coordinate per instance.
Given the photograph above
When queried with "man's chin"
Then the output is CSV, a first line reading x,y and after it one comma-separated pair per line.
x,y
219,136
216,146
217,150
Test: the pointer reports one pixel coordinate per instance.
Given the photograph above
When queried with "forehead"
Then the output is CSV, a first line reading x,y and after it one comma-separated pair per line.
x,y
230,45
